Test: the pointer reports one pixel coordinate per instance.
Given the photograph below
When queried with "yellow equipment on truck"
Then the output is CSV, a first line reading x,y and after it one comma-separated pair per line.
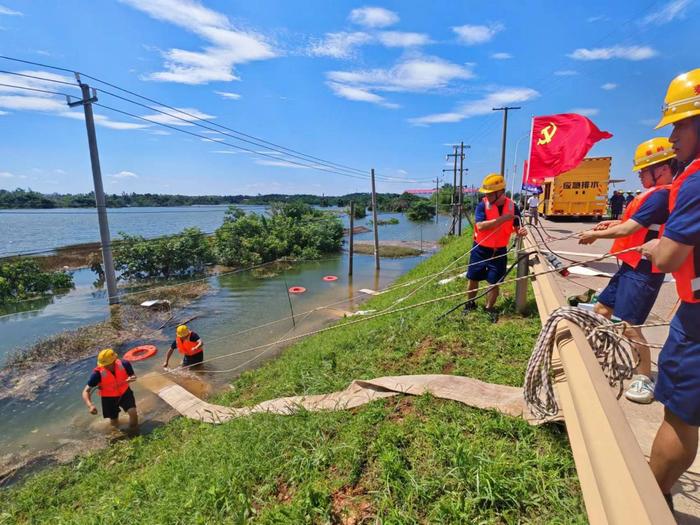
x,y
581,192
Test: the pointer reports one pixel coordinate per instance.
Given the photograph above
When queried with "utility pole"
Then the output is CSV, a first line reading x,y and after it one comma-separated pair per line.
x,y
374,220
455,197
352,234
461,187
100,201
437,198
505,110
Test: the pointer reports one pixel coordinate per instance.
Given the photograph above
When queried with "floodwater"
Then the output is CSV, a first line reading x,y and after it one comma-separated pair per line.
x,y
39,230
227,317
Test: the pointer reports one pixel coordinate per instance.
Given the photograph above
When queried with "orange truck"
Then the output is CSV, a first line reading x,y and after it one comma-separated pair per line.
x,y
581,192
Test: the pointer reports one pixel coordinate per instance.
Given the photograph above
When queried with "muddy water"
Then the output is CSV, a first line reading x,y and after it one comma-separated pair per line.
x,y
227,317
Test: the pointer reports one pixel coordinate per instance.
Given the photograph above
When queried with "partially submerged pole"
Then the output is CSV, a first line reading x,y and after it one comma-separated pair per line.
x,y
351,246
100,201
374,220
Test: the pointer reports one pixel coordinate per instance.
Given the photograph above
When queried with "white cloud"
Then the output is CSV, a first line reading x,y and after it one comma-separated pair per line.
x,y
359,94
178,119
403,39
373,17
566,73
414,74
339,45
279,164
227,46
501,56
159,132
125,175
6,175
674,9
481,106
586,112
225,151
609,86
10,12
471,35
599,18
228,95
411,74
607,53
103,121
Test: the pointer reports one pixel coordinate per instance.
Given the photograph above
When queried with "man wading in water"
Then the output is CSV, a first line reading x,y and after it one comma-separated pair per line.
x,y
112,377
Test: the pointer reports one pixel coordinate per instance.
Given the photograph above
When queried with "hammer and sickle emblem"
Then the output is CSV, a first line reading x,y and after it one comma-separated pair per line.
x,y
547,133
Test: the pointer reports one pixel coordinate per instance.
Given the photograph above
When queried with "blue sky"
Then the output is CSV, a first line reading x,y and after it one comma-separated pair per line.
x,y
386,85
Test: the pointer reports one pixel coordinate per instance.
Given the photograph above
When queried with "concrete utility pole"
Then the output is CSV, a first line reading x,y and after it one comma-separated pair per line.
x,y
100,202
461,187
437,199
505,110
374,220
455,196
352,234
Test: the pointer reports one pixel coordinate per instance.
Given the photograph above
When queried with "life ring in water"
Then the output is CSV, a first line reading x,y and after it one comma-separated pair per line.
x,y
139,353
297,289
330,278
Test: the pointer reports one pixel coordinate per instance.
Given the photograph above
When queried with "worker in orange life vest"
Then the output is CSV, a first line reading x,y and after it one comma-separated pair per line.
x,y
189,344
496,218
632,291
112,377
678,251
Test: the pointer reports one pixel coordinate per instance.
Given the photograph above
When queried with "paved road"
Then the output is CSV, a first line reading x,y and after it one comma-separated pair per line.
x,y
644,419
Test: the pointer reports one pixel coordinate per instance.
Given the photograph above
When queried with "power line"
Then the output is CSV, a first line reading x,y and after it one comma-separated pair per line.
x,y
14,86
43,79
194,119
254,143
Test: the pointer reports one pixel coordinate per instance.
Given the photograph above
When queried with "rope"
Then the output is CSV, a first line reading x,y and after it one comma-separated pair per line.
x,y
617,358
396,310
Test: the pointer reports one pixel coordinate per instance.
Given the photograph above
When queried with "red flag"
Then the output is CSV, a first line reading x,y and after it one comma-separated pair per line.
x,y
559,144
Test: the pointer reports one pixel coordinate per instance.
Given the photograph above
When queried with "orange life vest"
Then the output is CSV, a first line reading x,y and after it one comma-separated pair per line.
x,y
186,347
640,236
113,385
688,275
499,236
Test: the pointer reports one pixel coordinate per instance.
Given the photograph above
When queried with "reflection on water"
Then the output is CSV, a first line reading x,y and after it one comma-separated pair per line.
x,y
227,320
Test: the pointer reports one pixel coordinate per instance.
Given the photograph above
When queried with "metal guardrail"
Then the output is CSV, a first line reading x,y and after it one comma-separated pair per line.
x,y
617,484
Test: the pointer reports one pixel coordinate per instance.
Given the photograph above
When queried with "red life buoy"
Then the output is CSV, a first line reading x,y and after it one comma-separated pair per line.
x,y
139,353
330,278
297,289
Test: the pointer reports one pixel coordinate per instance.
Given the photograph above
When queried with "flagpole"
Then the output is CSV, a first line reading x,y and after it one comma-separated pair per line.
x,y
529,152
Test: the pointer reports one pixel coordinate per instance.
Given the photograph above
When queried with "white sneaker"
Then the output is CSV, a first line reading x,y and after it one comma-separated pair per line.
x,y
641,390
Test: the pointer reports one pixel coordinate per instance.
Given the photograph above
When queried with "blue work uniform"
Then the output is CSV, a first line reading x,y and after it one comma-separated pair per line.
x,y
489,264
632,292
678,383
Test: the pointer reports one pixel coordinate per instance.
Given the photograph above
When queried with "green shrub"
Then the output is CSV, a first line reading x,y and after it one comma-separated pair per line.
x,y
421,211
22,279
292,229
173,256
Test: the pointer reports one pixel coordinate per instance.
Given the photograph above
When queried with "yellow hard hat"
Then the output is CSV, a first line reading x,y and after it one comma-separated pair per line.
x,y
652,152
682,98
182,330
492,182
106,357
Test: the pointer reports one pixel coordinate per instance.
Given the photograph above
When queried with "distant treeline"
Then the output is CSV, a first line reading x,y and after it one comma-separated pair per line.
x,y
20,198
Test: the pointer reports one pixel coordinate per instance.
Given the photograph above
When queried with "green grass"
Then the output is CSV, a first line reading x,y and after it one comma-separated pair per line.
x,y
400,460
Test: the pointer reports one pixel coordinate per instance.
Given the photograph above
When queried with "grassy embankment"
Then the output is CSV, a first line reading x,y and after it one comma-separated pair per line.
x,y
400,460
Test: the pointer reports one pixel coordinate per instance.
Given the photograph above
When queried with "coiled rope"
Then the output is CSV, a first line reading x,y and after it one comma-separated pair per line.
x,y
616,356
